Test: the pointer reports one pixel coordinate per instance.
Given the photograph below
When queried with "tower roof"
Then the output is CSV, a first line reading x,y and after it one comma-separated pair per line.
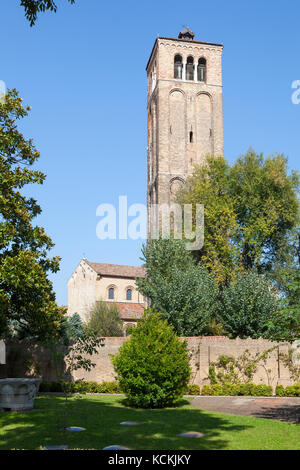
x,y
186,34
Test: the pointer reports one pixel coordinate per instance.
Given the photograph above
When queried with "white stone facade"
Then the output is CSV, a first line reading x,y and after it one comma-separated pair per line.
x,y
91,282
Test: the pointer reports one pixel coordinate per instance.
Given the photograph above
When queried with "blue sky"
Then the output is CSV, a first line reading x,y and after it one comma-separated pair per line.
x,y
83,73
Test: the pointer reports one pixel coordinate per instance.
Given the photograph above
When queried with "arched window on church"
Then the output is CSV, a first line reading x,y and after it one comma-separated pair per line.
x,y
111,293
190,68
178,66
201,72
129,294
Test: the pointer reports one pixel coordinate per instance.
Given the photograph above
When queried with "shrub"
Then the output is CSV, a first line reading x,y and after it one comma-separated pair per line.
x,y
104,320
110,387
249,308
289,391
237,370
55,387
80,386
153,365
230,389
192,389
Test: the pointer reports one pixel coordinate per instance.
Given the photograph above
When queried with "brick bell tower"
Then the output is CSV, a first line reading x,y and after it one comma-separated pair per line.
x,y
185,115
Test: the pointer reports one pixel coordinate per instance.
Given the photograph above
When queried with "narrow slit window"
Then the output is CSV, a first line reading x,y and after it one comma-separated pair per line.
x,y
191,137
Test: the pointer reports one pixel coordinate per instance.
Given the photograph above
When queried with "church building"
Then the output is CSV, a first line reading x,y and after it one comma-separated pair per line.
x,y
185,123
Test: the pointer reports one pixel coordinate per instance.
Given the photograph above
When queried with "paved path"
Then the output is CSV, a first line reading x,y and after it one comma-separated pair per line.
x,y
282,409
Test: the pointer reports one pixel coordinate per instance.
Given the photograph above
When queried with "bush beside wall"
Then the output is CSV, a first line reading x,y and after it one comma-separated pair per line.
x,y
80,386
229,389
289,391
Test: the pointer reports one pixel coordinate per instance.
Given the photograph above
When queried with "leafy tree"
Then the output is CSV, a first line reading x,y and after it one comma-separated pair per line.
x,y
285,273
266,206
184,293
209,185
250,208
250,307
27,299
33,7
287,324
153,365
286,265
104,320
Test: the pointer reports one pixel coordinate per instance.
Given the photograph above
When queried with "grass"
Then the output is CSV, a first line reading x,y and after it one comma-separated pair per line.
x,y
158,430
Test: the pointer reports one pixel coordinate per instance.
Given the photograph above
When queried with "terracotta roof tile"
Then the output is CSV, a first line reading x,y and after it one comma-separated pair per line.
x,y
117,270
130,310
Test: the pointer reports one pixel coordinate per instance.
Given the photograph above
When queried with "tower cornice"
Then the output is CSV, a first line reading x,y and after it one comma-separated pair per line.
x,y
183,41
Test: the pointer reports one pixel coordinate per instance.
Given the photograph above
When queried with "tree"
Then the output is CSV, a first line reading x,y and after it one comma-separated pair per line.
x,y
72,328
104,320
250,307
33,7
286,265
209,185
153,365
184,293
266,206
249,209
27,299
287,324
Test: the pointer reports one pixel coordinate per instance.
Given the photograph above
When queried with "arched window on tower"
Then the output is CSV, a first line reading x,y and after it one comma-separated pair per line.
x,y
201,70
178,66
190,68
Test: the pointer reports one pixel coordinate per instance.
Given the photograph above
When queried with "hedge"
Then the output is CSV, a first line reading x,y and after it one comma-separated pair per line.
x,y
289,391
80,386
228,389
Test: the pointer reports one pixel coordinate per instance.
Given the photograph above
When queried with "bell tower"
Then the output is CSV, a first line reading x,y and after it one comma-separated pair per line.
x,y
185,115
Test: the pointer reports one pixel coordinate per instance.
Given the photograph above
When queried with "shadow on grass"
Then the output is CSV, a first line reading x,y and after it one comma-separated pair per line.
x,y
178,404
289,413
101,416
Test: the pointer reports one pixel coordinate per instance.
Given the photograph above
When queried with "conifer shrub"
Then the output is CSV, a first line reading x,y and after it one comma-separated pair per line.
x,y
153,365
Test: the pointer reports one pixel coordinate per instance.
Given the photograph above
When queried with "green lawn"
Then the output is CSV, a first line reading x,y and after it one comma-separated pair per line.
x,y
158,430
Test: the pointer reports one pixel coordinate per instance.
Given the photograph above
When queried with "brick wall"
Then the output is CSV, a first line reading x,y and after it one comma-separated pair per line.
x,y
203,351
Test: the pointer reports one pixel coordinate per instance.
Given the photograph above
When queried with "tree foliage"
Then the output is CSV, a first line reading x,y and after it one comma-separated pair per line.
x,y
209,185
153,365
287,326
250,307
27,299
104,320
34,7
72,328
250,209
184,293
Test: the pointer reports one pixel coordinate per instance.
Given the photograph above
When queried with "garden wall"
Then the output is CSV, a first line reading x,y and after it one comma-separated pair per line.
x,y
27,360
